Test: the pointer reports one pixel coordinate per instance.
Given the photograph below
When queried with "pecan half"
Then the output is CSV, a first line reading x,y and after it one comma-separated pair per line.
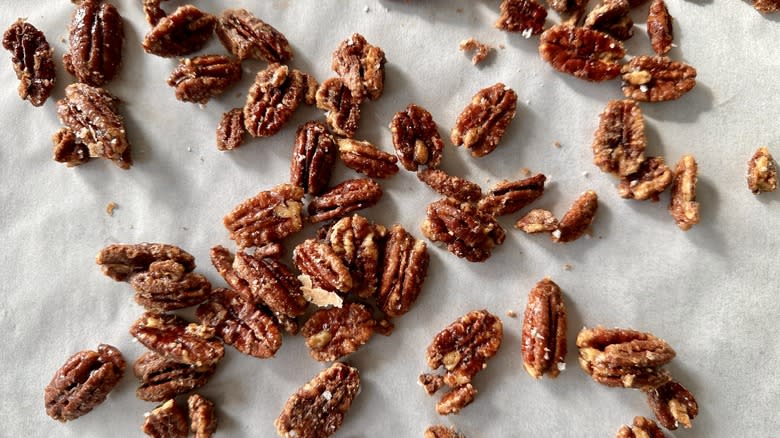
x,y
173,338
577,220
246,36
431,382
762,172
612,18
508,197
268,217
361,66
537,221
673,405
167,285
656,79
652,178
121,261
163,378
659,27
203,419
468,232
317,409
336,332
314,155
95,40
67,148
566,6
200,78
450,186
416,138
271,283
359,244
766,6
83,382
403,272
642,428
365,158
230,131
166,421
456,399
480,49
439,431
342,109
619,142
274,97
184,31
584,53
344,198
33,61
526,16
482,123
544,331
683,206
323,267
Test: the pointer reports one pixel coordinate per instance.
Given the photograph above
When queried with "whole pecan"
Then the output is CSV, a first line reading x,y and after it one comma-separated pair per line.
x,y
167,285
83,382
230,131
344,198
271,283
544,330
163,378
483,122
323,267
508,197
200,78
619,142
361,66
537,221
456,399
268,217
683,206
673,405
656,78
526,16
611,17
439,431
584,53
274,97
342,109
642,428
246,36
577,220
313,158
184,31
33,61
338,331
364,157
166,421
766,6
762,172
121,261
203,419
652,178
659,27
173,338
359,244
404,269
95,39
67,148
416,138
467,231
449,185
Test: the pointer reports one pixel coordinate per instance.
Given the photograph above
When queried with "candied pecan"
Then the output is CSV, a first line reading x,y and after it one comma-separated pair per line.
x,y
83,382
153,12
449,185
121,261
431,382
230,131
683,206
544,331
342,110
361,66
619,142
184,31
482,123
439,431
623,357
321,266
173,338
642,428
162,378
338,331
200,78
673,405
762,172
33,61
652,178
766,6
246,36
659,27
656,78
271,283
167,285
317,409
313,158
456,399
364,157
526,16
481,50
358,242
92,115
344,198
203,419
274,97
537,221
404,269
584,53
565,6
416,138
612,18
577,220
467,231
95,42
166,421
268,217
508,197
67,149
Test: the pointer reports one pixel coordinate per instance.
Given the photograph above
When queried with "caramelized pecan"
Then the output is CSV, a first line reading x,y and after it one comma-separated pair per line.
x,y
659,27
673,405
200,78
683,206
652,178
67,148
230,131
483,122
762,172
95,40
338,331
544,331
184,31
450,186
167,285
247,36
121,261
271,283
508,197
642,428
416,138
439,431
322,267
766,6
456,399
274,97
268,217
612,18
404,269
163,378
577,220
361,66
537,221
344,198
526,16
656,78
619,142
342,109
203,420
467,231
359,244
584,53
166,421
314,156
363,157
173,338
431,382
33,61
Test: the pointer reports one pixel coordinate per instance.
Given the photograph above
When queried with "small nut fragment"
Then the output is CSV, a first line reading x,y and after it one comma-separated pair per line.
x,y
439,431
508,197
450,186
153,12
360,245
673,405
364,157
683,206
656,79
200,78
526,16
203,420
619,142
121,261
336,332
431,382
323,267
67,149
652,178
162,378
481,50
766,6
230,131
537,221
642,428
416,138
173,338
33,61
268,217
456,399
482,123
762,172
612,18
246,36
313,158
584,53
659,27
404,269
274,97
468,232
342,109
184,31
344,198
166,421
95,40
577,220
167,285
361,66
544,330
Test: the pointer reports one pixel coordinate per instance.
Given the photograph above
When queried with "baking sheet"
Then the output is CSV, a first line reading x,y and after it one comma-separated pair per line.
x,y
710,292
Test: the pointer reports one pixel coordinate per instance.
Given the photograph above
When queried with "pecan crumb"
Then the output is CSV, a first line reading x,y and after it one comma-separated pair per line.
x,y
110,207
481,50
642,428
762,172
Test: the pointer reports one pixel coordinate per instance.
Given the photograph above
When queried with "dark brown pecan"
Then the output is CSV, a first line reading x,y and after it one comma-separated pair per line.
x,y
67,149
482,123
359,244
323,273
268,217
121,261
274,97
230,131
162,378
449,185
361,66
346,197
203,419
766,6
173,338
456,399
612,18
431,382
184,31
271,283
659,27
317,409
508,197
95,42
167,285
673,405
403,272
33,61
652,178
338,331
200,78
656,79
92,115
166,421
416,139
342,110
467,231
83,382
439,431
537,221
762,172
642,428
544,331
623,357
566,6
364,157
619,142
683,206
584,53
480,49
577,220
246,36
526,16
313,158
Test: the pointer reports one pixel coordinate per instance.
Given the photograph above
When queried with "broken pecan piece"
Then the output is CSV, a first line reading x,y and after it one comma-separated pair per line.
x,y
544,330
200,78
416,138
537,221
456,399
184,31
766,6
468,232
173,338
246,36
584,53
359,244
321,266
482,123
577,220
612,18
404,269
365,158
508,197
163,378
683,206
480,49
344,198
656,79
268,217
526,16
338,331
67,149
619,142
203,419
566,6
230,131
659,27
431,382
342,109
361,66
167,285
274,97
439,431
642,428
673,405
95,40
166,421
121,261
313,158
271,283
762,172
33,61
652,178
450,186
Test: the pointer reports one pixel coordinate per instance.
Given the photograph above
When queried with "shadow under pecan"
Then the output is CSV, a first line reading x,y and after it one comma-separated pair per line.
x,y
683,206
203,418
246,36
762,172
324,270
619,142
120,261
166,421
271,283
163,378
526,16
482,123
652,178
365,158
344,198
274,97
314,155
33,61
544,331
673,405
612,17
584,53
508,197
416,138
95,39
335,332
342,109
174,338
67,149
656,79
575,223
361,66
184,31
468,232
230,130
200,78
167,285
450,186
404,269
660,28
267,217
359,244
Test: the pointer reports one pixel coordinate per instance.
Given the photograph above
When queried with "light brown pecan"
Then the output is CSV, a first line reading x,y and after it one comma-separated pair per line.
x,y
673,405
268,217
656,79
184,31
274,97
67,148
314,155
439,431
364,157
577,220
451,186
480,49
83,382
318,408
95,40
200,78
167,285
683,206
33,61
537,221
271,283
544,331
230,131
584,53
166,421
623,357
162,378
508,197
659,27
173,338
612,18
526,16
619,142
456,399
342,109
766,6
431,382
468,232
404,269
566,6
642,428
323,270
203,419
762,172
652,178
121,261
359,244
416,138
338,331
361,66
246,36
482,123
344,198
